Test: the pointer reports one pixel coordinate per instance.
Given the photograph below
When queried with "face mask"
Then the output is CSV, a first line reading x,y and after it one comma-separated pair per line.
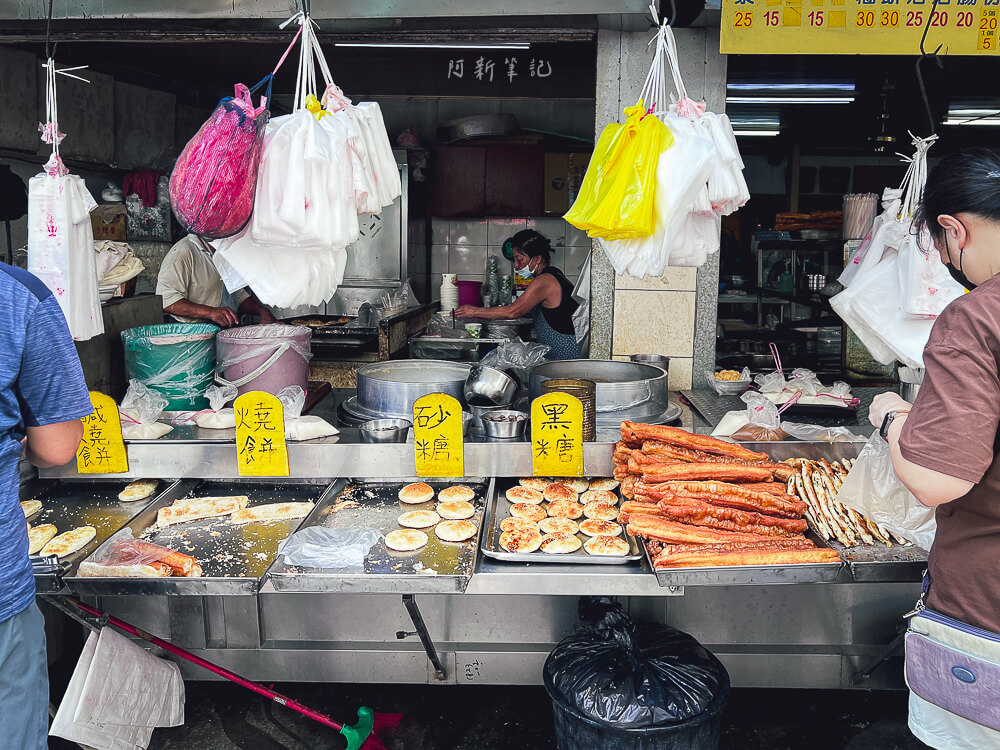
x,y
526,272
956,273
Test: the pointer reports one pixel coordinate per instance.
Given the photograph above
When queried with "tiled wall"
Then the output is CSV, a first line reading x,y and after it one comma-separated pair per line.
x,y
656,316
462,245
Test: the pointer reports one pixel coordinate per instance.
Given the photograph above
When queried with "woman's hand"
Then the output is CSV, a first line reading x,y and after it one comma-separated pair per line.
x,y
467,311
883,404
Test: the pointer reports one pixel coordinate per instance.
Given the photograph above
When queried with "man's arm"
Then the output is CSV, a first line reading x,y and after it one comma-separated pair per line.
x,y
53,444
253,306
184,308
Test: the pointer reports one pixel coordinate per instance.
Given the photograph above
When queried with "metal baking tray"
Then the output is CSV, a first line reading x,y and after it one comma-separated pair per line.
x,y
438,567
760,575
82,503
876,563
497,511
233,558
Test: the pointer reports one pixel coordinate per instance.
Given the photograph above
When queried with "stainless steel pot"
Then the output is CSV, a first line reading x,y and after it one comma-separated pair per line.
x,y
625,390
487,385
388,389
477,416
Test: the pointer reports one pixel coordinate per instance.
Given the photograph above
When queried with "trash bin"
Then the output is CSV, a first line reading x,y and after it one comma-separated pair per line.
x,y
618,685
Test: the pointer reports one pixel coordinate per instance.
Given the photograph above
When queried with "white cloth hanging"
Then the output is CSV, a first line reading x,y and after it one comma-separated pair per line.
x,y
60,237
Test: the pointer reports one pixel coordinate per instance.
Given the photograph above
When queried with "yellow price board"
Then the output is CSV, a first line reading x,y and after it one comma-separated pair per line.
x,y
260,436
557,435
102,449
856,27
437,436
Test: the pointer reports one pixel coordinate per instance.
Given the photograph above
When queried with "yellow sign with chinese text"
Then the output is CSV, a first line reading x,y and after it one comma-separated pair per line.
x,y
102,449
437,436
557,435
857,27
260,435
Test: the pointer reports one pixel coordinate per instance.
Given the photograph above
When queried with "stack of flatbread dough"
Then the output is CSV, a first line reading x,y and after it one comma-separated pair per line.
x,y
449,517
545,515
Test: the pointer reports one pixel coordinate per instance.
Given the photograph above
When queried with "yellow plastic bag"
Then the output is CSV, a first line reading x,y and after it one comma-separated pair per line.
x,y
616,197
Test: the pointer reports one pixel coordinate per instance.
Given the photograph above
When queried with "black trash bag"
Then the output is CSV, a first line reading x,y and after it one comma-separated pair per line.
x,y
627,675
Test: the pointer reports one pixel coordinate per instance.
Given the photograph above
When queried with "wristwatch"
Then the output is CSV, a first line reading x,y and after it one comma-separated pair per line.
x,y
887,423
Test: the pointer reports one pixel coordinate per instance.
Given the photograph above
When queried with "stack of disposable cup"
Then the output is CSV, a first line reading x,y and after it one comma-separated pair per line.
x,y
449,292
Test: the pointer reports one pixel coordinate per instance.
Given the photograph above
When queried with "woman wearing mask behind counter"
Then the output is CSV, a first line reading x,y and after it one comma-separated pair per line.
x,y
945,446
548,298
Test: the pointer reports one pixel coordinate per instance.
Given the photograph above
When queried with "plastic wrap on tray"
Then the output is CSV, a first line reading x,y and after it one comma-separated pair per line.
x,y
124,556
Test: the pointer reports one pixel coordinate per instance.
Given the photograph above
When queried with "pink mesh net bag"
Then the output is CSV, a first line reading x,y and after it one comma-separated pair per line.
x,y
213,183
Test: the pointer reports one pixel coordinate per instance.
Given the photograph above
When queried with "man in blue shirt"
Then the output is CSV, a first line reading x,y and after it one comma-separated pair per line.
x,y
43,396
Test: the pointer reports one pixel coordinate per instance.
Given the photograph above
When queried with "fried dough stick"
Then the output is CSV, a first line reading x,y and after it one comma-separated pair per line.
x,y
702,558
700,513
634,432
657,527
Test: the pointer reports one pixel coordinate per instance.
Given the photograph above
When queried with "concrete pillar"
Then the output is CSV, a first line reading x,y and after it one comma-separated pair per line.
x,y
674,315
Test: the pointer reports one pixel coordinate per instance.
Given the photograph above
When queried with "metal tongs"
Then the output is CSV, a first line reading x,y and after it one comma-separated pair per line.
x,y
47,565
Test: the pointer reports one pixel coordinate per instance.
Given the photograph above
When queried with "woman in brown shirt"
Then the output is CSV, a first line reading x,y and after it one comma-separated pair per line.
x,y
945,446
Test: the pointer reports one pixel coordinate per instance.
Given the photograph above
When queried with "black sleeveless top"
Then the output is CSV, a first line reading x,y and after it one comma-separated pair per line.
x,y
560,318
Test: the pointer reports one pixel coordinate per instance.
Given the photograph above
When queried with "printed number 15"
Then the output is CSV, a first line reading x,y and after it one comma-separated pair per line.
x,y
771,18
816,18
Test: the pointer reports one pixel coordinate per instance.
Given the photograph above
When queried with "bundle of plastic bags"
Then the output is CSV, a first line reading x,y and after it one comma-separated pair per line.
x,y
698,177
60,237
896,282
321,166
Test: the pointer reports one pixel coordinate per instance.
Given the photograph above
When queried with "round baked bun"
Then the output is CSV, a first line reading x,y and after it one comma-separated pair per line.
x,y
575,483
414,494
457,492
553,525
521,494
560,543
608,484
535,483
592,527
405,540
520,541
611,546
526,510
455,531
418,519
456,509
556,491
599,496
518,524
600,511
565,509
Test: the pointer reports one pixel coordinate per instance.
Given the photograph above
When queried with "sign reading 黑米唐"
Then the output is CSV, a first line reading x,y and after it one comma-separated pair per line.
x,y
853,27
557,435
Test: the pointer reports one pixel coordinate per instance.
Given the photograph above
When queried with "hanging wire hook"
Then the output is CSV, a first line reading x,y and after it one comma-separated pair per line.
x,y
924,54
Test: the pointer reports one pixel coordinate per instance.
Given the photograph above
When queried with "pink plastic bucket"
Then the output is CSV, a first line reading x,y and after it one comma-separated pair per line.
x,y
263,358
470,293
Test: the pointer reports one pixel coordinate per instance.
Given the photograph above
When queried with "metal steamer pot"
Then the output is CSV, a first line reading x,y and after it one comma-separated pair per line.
x,y
388,389
625,390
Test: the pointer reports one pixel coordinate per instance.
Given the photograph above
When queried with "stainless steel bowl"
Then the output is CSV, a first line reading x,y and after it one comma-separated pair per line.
x,y
511,428
385,430
477,416
656,360
487,385
466,422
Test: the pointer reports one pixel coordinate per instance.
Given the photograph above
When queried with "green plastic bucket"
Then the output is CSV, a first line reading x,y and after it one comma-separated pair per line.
x,y
174,359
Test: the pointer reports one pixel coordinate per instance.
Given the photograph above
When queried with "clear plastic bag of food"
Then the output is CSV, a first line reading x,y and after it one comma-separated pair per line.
x,y
806,381
771,382
217,417
297,426
817,433
140,410
516,357
320,547
124,556
763,420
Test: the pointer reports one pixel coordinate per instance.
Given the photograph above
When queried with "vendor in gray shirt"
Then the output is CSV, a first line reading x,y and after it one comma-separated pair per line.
x,y
193,291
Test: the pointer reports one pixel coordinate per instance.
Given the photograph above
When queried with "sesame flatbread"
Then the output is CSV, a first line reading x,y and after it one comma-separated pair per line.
x,y
518,524
553,525
565,509
535,483
574,483
414,494
70,541
418,519
527,510
456,492
524,495
592,527
599,496
607,484
520,541
271,512
556,491
39,536
560,543
610,546
138,490
600,511
405,540
455,531
30,507
456,509
199,508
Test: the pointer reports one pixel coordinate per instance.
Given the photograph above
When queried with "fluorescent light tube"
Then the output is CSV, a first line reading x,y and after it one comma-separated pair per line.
x,y
757,133
789,99
443,45
816,87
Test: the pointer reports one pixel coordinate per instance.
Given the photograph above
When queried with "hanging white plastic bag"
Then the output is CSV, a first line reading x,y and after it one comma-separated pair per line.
x,y
884,236
927,287
873,489
140,410
297,426
60,237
